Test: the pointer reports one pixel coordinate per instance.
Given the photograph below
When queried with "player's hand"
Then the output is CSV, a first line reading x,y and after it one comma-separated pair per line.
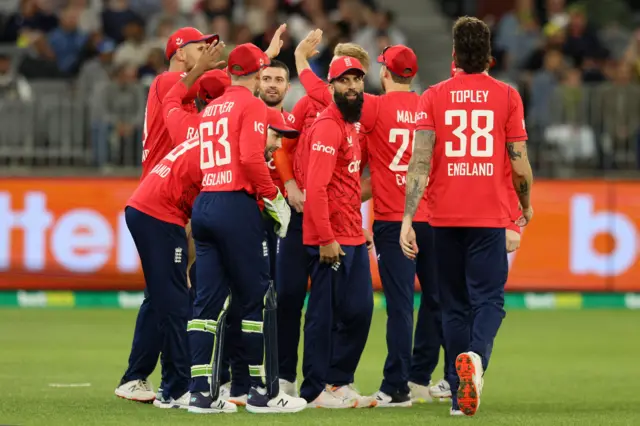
x,y
295,196
408,242
527,214
331,253
369,239
513,240
308,47
210,58
276,42
280,212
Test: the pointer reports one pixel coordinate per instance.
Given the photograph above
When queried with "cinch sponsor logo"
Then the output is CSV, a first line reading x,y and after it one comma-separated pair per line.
x,y
354,166
79,240
323,148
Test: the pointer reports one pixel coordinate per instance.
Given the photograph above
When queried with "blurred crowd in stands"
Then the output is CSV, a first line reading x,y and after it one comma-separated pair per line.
x,y
577,66
112,49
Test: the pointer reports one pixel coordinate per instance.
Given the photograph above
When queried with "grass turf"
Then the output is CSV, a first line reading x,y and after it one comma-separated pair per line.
x,y
548,368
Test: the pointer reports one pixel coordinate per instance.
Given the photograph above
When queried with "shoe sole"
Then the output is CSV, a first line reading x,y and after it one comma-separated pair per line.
x,y
166,406
468,396
273,410
406,404
198,410
371,404
142,401
353,405
237,402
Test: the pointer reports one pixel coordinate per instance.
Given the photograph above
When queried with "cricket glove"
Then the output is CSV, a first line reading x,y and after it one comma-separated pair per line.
x,y
280,212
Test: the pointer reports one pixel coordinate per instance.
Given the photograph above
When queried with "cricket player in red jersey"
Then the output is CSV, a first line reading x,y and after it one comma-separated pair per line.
x,y
389,122
465,128
231,251
156,215
420,368
293,259
184,47
341,291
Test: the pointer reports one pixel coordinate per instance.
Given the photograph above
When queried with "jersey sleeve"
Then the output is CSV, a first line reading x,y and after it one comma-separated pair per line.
x,y
282,159
322,162
251,143
369,114
175,117
424,113
516,130
364,152
315,87
299,112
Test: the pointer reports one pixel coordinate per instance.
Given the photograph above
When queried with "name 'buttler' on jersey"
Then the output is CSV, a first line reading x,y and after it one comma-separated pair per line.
x,y
233,136
474,116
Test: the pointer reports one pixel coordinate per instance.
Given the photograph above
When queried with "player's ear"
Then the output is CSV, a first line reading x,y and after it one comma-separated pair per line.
x,y
180,55
331,89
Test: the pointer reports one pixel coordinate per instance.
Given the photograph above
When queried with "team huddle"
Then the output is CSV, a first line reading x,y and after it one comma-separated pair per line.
x,y
242,204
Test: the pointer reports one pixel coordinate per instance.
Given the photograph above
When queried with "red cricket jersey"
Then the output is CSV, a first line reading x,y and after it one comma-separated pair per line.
x,y
156,142
305,113
168,192
332,206
474,116
390,145
233,137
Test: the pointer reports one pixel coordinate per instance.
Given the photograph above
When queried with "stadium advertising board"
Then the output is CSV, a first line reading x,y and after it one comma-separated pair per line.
x,y
70,234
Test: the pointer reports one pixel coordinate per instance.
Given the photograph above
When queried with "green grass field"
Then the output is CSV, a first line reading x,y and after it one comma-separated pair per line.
x,y
549,368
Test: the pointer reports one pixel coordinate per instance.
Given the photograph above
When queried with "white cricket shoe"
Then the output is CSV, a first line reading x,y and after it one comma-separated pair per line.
x,y
470,371
225,394
455,413
259,402
328,399
391,401
441,390
420,394
136,390
350,392
290,388
182,402
202,403
225,391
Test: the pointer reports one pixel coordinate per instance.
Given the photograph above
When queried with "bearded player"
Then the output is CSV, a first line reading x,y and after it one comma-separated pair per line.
x,y
388,121
183,50
293,260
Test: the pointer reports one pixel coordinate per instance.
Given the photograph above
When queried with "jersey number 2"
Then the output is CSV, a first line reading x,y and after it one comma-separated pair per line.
x,y
207,157
406,137
478,132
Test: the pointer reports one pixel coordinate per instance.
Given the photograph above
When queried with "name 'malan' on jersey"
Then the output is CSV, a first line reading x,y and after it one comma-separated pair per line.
x,y
474,116
390,144
233,136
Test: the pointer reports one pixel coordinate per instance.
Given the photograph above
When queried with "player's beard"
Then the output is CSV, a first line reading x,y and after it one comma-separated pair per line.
x,y
351,109
270,100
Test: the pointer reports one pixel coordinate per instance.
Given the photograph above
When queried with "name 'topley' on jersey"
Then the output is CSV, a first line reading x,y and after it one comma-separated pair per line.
x,y
474,116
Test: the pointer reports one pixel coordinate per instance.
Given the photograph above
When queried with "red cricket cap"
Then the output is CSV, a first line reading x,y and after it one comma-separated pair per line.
x,y
275,120
246,59
343,64
213,83
400,60
187,35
